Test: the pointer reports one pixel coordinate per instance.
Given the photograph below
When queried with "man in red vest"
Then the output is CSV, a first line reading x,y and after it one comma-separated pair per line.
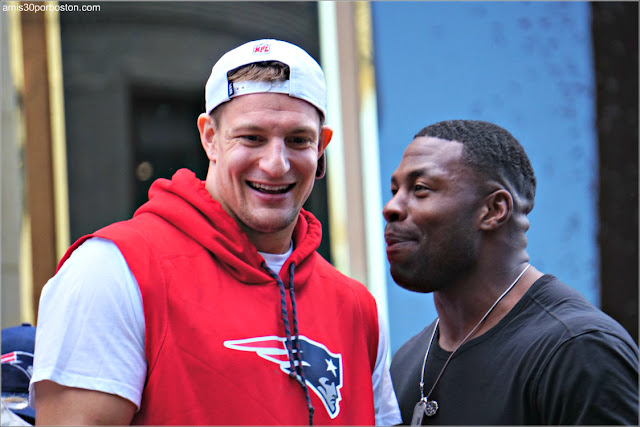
x,y
211,305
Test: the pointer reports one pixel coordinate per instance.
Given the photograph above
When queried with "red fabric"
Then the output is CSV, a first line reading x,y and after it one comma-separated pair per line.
x,y
202,285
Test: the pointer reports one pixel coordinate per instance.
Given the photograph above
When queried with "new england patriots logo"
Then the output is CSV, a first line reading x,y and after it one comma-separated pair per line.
x,y
322,368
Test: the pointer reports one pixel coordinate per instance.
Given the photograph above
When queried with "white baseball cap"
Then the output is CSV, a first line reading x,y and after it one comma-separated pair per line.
x,y
306,79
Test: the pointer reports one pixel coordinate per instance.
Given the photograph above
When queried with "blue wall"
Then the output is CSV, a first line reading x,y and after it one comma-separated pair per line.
x,y
526,66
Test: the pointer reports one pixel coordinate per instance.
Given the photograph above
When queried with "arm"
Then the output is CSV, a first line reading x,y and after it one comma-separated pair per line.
x,y
60,405
89,351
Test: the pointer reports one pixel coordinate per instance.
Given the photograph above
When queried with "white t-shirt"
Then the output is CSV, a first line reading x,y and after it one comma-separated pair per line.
x,y
92,336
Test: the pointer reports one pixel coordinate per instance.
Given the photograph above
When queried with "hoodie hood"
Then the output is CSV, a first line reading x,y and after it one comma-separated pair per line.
x,y
185,203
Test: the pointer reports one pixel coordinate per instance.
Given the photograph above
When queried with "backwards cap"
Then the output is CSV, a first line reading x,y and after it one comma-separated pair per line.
x,y
306,79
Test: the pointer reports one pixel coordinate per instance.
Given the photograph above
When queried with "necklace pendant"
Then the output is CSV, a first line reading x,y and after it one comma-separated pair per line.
x,y
424,406
431,408
418,412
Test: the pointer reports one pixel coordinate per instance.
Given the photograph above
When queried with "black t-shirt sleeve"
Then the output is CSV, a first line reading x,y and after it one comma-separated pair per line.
x,y
590,379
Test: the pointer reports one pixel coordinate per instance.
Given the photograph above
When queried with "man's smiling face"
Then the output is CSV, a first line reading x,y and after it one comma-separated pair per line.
x,y
431,233
263,159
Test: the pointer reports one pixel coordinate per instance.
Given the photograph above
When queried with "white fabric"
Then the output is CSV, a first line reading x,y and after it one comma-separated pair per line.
x,y
384,397
249,86
8,418
276,261
90,330
306,79
90,336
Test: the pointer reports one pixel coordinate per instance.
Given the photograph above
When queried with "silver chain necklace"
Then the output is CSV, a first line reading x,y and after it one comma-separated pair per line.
x,y
430,407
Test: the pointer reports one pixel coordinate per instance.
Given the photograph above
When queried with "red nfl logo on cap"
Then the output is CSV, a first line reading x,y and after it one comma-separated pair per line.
x,y
262,48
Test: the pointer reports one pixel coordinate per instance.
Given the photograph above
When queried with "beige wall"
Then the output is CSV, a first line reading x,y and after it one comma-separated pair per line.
x,y
11,188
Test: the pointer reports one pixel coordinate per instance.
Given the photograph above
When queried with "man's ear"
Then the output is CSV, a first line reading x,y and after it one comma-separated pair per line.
x,y
326,133
321,169
207,131
497,210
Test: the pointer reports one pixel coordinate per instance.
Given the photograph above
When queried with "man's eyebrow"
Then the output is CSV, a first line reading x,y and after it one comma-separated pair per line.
x,y
247,127
251,127
416,173
304,129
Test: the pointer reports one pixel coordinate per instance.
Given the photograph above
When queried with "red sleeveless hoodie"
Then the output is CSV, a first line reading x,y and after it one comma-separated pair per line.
x,y
215,339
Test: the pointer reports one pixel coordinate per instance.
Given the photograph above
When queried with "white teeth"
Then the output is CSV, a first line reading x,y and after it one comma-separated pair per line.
x,y
269,187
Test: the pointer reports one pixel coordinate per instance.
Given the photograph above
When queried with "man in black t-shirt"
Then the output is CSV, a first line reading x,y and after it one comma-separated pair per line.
x,y
511,345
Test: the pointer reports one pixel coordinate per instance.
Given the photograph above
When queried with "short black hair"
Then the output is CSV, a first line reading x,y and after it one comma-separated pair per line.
x,y
492,152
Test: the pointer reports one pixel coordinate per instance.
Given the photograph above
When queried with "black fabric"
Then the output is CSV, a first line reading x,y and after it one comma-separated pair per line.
x,y
553,359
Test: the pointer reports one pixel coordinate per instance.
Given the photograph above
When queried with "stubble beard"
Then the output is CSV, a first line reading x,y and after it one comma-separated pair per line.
x,y
278,224
435,270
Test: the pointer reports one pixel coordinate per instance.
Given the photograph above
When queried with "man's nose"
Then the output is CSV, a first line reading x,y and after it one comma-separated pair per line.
x,y
395,209
275,158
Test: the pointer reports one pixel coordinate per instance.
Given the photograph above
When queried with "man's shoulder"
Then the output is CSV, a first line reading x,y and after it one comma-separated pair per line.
x,y
148,234
414,348
139,225
563,311
332,276
348,290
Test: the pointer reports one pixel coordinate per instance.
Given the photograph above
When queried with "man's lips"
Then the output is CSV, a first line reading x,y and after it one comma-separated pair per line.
x,y
395,239
397,243
270,188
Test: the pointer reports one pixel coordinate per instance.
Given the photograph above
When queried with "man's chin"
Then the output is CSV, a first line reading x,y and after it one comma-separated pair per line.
x,y
403,280
275,224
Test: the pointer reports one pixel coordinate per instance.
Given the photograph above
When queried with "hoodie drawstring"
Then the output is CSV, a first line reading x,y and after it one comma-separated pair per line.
x,y
295,355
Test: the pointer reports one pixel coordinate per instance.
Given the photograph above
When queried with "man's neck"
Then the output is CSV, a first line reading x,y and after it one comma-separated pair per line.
x,y
460,309
273,243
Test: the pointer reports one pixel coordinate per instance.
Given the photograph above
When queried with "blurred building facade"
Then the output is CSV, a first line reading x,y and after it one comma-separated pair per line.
x,y
98,104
